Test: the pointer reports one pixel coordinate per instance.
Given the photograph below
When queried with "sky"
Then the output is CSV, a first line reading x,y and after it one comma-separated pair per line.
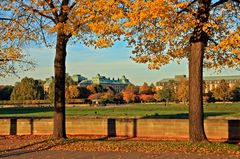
x,y
111,62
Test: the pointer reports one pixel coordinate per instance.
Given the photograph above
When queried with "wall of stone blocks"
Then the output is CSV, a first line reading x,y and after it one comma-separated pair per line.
x,y
153,128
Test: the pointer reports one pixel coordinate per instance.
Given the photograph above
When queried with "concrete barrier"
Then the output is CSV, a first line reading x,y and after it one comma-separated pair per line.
x,y
219,129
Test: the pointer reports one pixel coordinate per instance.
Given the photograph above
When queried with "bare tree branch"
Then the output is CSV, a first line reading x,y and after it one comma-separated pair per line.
x,y
186,8
46,16
54,10
218,3
238,1
73,5
5,18
39,12
223,1
213,41
43,35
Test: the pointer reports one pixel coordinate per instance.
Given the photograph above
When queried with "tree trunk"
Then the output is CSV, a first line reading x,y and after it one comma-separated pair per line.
x,y
59,130
196,123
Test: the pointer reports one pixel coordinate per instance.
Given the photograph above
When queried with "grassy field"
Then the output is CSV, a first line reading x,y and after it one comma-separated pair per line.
x,y
132,110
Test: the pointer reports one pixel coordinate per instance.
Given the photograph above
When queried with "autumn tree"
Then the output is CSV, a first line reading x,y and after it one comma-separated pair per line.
x,y
153,87
145,89
130,93
28,89
69,81
109,94
182,91
147,97
167,93
95,88
95,96
118,98
55,23
12,58
222,92
72,92
206,32
157,95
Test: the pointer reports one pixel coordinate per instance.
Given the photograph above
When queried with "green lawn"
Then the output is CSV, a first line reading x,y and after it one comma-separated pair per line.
x,y
131,110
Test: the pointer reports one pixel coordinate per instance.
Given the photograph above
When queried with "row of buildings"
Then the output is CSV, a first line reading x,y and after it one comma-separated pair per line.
x,y
119,84
210,82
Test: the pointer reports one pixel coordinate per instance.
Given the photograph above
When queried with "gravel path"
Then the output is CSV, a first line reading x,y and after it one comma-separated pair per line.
x,y
23,154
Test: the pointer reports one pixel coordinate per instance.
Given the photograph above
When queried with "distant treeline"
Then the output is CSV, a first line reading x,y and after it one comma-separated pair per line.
x,y
30,91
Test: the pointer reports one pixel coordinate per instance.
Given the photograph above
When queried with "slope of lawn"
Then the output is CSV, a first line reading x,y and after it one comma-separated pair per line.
x,y
130,110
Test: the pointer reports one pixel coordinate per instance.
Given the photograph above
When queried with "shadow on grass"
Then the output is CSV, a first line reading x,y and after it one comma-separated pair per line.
x,y
107,138
24,146
25,110
20,150
37,146
181,115
50,143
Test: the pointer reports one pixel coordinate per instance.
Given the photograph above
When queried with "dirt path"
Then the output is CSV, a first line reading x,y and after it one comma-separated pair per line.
x,y
106,155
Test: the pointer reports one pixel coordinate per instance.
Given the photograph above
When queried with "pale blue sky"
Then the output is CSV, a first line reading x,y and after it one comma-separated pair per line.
x,y
111,62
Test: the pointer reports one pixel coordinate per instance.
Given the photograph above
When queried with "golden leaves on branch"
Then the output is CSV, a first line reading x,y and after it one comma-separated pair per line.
x,y
160,31
10,54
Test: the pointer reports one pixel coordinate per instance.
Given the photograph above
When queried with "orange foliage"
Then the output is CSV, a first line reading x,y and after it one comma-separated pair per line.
x,y
160,31
128,96
95,96
72,92
147,98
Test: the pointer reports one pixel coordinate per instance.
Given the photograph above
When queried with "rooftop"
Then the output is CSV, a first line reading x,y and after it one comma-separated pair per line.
x,y
206,78
98,79
212,78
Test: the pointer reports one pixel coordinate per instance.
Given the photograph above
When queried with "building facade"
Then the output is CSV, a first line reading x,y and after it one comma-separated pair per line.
x,y
210,82
117,84
175,81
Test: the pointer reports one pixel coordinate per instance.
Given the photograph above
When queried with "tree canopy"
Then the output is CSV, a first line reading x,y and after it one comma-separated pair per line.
x,y
222,92
163,30
28,89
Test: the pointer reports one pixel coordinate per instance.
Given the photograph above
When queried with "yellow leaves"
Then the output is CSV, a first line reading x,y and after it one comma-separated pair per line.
x,y
59,27
103,43
237,52
9,54
208,27
66,8
182,4
98,27
156,29
119,15
40,3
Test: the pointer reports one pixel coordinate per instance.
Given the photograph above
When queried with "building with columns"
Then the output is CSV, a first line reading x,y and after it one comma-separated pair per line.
x,y
117,84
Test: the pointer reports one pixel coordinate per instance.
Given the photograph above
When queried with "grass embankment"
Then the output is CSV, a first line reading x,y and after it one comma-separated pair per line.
x,y
177,111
